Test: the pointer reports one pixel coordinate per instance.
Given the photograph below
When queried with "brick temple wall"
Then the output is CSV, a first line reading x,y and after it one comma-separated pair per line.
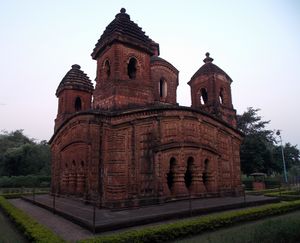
x,y
143,157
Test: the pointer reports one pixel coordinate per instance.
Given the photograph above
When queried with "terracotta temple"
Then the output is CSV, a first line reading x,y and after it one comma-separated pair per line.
x,y
127,142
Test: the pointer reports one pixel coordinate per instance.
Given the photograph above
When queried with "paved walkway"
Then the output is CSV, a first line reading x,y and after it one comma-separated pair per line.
x,y
106,220
66,229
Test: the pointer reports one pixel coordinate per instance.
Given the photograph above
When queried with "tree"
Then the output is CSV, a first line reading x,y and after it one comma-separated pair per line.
x,y
20,155
291,155
259,150
256,149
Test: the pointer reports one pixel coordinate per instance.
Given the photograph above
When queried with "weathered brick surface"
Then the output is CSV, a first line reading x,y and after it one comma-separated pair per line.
x,y
135,145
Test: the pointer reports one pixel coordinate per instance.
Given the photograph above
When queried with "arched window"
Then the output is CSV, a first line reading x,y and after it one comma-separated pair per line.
x,y
203,96
221,96
131,68
78,104
107,69
170,175
82,164
162,88
188,174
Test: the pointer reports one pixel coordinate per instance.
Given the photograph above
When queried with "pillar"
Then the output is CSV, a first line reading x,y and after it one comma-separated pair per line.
x,y
197,187
179,189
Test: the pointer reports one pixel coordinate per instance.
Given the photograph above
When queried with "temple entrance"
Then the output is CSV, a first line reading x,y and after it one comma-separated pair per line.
x,y
170,175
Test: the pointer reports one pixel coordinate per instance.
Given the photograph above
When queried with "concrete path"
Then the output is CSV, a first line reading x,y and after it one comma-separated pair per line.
x,y
61,226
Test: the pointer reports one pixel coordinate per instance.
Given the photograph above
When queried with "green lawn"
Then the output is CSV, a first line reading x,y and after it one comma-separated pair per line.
x,y
8,232
284,228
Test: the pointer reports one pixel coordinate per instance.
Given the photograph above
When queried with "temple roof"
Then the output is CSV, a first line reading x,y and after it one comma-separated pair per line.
x,y
75,79
124,30
210,68
164,62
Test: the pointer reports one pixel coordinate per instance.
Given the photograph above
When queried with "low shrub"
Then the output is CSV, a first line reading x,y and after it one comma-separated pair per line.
x,y
25,181
33,231
189,227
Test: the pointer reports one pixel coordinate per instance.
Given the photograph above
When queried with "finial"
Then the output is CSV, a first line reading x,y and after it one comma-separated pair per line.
x,y
123,10
75,66
207,59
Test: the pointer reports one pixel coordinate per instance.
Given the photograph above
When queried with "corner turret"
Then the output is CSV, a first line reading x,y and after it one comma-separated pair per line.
x,y
211,91
74,94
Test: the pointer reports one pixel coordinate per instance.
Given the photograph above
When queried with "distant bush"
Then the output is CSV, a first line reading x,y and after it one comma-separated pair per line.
x,y
248,183
272,183
269,182
189,227
25,181
33,231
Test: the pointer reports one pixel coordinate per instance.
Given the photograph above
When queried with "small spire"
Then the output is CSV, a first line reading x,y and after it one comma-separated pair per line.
x,y
122,14
75,66
208,59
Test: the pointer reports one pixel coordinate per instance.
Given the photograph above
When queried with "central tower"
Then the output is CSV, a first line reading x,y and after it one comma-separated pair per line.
x,y
123,55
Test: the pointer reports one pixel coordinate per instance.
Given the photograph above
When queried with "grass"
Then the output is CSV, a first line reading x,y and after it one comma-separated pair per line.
x,y
9,232
284,228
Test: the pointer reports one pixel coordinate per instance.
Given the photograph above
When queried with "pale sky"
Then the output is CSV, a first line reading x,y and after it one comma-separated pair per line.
x,y
257,42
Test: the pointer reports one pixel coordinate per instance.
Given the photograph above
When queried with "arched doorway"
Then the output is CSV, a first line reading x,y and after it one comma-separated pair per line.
x,y
170,175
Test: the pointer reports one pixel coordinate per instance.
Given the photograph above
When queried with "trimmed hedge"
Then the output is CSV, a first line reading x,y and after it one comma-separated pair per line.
x,y
18,195
185,228
263,192
290,195
33,231
25,181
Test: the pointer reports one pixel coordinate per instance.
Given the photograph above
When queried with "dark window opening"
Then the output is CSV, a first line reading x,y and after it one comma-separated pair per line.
x,y
74,164
170,175
221,96
131,68
107,68
78,104
203,97
188,174
162,88
82,164
66,165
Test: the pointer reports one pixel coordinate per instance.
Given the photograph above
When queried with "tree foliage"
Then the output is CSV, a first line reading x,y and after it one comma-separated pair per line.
x,y
260,151
20,155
